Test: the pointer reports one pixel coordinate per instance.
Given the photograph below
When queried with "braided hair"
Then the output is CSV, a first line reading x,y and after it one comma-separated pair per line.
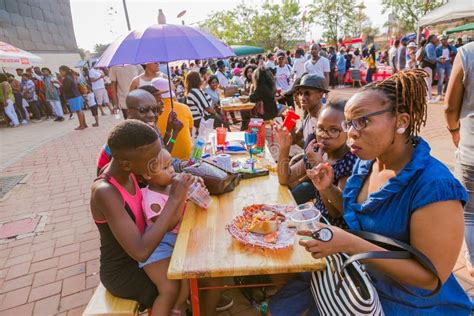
x,y
406,92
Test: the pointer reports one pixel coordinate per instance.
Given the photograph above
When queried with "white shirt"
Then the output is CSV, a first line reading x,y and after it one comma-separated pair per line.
x,y
283,77
98,84
223,81
298,67
446,53
319,68
123,76
392,54
309,125
270,64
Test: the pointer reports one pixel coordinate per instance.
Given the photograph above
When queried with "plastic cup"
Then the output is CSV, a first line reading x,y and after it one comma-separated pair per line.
x,y
290,120
200,196
306,219
221,133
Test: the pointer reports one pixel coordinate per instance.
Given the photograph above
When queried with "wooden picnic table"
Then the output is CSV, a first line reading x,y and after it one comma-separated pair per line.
x,y
204,248
239,106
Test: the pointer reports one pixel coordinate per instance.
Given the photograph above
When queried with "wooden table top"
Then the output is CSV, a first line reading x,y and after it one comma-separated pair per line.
x,y
238,106
204,248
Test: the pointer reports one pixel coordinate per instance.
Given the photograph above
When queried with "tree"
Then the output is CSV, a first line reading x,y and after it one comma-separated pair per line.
x,y
268,26
82,53
100,48
369,32
407,12
334,16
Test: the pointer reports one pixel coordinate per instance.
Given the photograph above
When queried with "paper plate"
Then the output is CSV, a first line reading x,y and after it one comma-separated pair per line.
x,y
285,234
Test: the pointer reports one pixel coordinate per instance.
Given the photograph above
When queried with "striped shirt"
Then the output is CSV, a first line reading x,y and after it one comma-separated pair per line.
x,y
198,101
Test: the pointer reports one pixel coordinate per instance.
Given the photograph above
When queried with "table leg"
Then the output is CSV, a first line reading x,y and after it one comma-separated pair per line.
x,y
193,284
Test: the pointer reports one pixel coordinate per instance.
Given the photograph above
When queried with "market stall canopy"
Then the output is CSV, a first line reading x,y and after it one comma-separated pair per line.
x,y
242,50
12,57
462,28
451,11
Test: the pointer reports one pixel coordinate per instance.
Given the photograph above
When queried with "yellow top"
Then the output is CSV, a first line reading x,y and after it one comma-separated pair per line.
x,y
183,146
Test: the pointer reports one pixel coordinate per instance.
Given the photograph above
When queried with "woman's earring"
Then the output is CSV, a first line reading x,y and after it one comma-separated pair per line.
x,y
401,130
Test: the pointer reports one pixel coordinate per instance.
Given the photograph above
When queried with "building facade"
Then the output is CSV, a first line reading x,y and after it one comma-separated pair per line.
x,y
42,27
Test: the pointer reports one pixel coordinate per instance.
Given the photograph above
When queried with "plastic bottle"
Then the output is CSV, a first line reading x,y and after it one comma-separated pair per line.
x,y
198,148
117,114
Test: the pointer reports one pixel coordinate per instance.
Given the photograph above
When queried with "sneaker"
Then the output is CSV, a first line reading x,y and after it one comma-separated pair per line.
x,y
71,116
439,98
225,303
24,122
16,125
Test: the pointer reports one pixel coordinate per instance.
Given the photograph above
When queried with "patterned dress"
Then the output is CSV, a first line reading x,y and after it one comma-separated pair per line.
x,y
342,168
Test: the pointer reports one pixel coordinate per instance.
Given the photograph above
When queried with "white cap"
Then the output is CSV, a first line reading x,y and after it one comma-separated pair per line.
x,y
411,44
162,85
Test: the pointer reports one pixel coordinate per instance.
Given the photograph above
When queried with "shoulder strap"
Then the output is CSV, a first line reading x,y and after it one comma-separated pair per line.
x,y
402,251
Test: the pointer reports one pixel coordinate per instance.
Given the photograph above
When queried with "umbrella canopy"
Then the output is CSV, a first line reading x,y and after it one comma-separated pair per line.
x,y
462,28
13,57
242,50
163,43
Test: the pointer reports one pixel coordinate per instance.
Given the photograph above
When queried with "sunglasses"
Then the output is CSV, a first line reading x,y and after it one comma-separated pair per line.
x,y
361,122
146,109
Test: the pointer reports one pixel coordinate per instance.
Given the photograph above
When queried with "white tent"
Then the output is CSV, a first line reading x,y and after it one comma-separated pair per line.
x,y
451,11
12,57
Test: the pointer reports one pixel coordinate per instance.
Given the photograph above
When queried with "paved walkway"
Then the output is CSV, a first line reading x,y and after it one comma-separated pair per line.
x,y
55,272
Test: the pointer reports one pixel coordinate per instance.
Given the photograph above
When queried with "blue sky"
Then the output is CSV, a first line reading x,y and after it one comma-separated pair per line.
x,y
101,21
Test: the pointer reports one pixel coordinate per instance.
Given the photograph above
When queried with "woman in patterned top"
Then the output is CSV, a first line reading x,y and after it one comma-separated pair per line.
x,y
326,146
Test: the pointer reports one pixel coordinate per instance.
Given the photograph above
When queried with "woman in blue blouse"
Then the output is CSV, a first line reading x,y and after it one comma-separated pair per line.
x,y
397,189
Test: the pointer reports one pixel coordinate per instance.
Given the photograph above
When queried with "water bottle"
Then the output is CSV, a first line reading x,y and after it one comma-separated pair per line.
x,y
117,114
198,148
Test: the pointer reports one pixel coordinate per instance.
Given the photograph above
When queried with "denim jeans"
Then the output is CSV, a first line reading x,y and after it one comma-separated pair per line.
x,y
443,70
370,73
429,82
465,174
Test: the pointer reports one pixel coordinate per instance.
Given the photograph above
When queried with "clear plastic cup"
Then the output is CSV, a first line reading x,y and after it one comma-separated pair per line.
x,y
200,196
306,219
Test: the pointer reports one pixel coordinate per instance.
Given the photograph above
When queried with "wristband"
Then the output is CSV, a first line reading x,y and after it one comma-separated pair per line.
x,y
172,140
452,130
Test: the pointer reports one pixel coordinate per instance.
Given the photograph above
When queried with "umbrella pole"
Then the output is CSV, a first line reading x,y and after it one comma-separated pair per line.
x,y
169,84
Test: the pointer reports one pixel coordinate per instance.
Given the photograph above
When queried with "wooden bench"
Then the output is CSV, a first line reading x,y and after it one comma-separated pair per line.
x,y
104,303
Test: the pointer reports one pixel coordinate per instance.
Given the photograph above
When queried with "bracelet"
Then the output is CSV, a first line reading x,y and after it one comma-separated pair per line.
x,y
453,130
172,140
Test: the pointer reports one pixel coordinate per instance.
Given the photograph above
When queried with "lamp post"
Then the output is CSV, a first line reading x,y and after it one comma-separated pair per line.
x,y
126,14
180,15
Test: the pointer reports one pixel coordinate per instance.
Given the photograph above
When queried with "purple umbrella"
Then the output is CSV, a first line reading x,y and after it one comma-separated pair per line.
x,y
163,43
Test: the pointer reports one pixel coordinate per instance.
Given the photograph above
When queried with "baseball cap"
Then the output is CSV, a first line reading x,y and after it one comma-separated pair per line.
x,y
281,54
220,64
411,44
163,87
313,82
404,39
441,37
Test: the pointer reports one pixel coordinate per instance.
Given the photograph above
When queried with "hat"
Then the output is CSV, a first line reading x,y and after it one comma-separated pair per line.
x,y
220,63
281,54
237,71
313,82
163,87
404,39
411,45
451,40
441,37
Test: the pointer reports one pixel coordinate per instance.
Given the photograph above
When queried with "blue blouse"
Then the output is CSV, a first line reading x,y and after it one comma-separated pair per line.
x,y
423,181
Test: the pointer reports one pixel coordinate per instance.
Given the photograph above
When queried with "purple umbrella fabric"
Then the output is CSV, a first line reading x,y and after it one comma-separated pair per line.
x,y
163,43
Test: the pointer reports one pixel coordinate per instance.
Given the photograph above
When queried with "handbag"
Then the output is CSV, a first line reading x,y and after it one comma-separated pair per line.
x,y
216,179
345,287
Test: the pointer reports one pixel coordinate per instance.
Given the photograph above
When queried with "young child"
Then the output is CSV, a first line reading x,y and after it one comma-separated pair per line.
x,y
173,293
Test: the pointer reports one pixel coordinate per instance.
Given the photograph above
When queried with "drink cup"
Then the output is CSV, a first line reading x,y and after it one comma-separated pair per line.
x,y
306,219
290,120
200,196
221,133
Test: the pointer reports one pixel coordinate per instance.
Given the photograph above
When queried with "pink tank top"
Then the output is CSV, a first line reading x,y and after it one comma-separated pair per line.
x,y
132,203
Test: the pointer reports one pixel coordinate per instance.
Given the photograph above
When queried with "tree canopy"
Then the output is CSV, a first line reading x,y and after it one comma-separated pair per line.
x,y
407,12
271,25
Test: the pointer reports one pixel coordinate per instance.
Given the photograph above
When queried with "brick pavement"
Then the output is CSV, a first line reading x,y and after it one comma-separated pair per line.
x,y
55,272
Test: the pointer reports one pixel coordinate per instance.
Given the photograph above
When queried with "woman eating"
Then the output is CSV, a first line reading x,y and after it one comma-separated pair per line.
x,y
400,191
